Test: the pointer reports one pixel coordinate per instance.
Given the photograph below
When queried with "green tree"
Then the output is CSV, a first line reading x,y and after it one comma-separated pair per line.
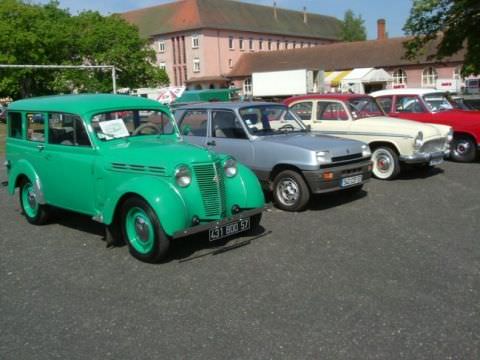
x,y
455,24
353,27
47,35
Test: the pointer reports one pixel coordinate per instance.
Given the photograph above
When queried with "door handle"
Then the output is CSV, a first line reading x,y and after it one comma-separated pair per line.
x,y
211,143
40,147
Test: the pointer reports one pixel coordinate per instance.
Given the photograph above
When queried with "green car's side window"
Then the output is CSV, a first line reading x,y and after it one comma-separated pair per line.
x,y
15,125
66,129
36,127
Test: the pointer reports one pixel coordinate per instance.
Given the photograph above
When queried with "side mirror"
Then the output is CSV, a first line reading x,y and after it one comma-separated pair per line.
x,y
309,127
354,115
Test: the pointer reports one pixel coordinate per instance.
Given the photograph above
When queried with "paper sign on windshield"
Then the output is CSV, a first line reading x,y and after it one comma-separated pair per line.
x,y
114,128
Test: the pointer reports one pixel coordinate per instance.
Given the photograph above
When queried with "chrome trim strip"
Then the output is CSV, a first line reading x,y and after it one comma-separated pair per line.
x,y
424,157
364,134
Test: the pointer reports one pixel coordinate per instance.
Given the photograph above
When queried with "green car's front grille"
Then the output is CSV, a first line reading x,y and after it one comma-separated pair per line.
x,y
212,187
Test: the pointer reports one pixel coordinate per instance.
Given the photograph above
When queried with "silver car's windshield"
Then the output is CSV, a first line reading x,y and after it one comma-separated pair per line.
x,y
264,120
364,107
125,123
437,102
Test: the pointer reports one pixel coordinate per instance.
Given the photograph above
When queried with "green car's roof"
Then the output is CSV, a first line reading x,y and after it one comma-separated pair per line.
x,y
85,103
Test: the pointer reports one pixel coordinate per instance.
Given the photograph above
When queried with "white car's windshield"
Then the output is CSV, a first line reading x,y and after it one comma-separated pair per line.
x,y
364,107
437,102
263,120
126,123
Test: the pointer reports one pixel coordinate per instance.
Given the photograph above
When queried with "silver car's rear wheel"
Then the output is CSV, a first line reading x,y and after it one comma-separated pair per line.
x,y
386,165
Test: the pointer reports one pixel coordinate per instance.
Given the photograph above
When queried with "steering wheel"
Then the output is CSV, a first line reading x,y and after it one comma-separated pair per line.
x,y
287,127
145,126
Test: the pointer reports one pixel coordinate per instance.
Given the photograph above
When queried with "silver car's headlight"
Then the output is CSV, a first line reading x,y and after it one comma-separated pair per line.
x,y
230,167
418,142
366,152
183,176
323,157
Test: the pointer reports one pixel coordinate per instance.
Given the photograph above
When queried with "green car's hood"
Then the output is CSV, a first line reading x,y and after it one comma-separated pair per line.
x,y
153,155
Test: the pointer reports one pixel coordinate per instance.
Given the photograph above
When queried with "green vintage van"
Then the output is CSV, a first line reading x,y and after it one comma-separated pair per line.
x,y
122,160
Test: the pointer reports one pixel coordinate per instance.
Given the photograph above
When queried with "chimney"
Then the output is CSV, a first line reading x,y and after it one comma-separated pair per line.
x,y
275,10
381,34
305,18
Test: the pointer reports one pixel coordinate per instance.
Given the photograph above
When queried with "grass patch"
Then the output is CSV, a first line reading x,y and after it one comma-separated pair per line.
x,y
3,135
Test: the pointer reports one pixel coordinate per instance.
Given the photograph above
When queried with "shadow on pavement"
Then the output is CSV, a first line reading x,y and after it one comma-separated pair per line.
x,y
181,249
419,172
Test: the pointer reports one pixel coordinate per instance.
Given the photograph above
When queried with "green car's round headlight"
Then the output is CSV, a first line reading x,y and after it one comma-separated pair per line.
x,y
230,167
183,176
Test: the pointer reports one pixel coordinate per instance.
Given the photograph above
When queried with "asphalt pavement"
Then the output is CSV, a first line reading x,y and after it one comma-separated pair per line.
x,y
391,273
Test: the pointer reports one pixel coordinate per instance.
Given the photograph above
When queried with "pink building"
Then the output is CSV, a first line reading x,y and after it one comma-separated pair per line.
x,y
198,42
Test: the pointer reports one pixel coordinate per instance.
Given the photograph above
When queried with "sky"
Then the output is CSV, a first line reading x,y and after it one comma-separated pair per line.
x,y
395,12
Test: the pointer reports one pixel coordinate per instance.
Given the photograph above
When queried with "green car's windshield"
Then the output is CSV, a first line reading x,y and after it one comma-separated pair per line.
x,y
437,102
263,120
127,123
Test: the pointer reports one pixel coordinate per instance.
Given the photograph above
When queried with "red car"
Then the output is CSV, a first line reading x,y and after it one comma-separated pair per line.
x,y
433,106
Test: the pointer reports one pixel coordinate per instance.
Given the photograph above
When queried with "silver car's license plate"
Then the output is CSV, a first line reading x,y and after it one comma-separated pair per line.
x,y
229,229
352,180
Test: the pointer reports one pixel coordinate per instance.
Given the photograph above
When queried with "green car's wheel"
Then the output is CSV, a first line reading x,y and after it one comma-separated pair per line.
x,y
142,231
35,213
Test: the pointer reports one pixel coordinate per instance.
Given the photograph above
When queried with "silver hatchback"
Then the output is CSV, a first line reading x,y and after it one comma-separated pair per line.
x,y
279,148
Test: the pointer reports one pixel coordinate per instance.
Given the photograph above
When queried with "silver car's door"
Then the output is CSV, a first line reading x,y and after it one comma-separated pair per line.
x,y
193,126
229,137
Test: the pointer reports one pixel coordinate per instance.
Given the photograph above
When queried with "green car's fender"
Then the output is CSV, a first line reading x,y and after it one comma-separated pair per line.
x,y
24,168
163,197
244,189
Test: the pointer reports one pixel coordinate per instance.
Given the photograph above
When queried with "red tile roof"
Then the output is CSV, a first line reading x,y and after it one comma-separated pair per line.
x,y
337,56
185,15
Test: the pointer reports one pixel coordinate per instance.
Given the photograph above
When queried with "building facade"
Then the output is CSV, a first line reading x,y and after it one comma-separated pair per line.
x,y
338,59
199,42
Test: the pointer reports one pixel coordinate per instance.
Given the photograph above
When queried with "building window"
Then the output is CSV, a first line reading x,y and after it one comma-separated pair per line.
x,y
196,65
301,44
260,44
162,65
195,42
230,42
230,63
286,44
247,86
278,44
429,77
161,46
399,77
240,43
457,73
174,51
250,44
294,44
269,44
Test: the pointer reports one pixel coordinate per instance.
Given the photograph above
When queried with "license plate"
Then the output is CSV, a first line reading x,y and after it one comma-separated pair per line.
x,y
436,161
229,229
352,180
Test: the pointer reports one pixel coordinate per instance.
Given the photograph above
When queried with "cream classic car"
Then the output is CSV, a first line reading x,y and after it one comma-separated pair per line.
x,y
393,142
